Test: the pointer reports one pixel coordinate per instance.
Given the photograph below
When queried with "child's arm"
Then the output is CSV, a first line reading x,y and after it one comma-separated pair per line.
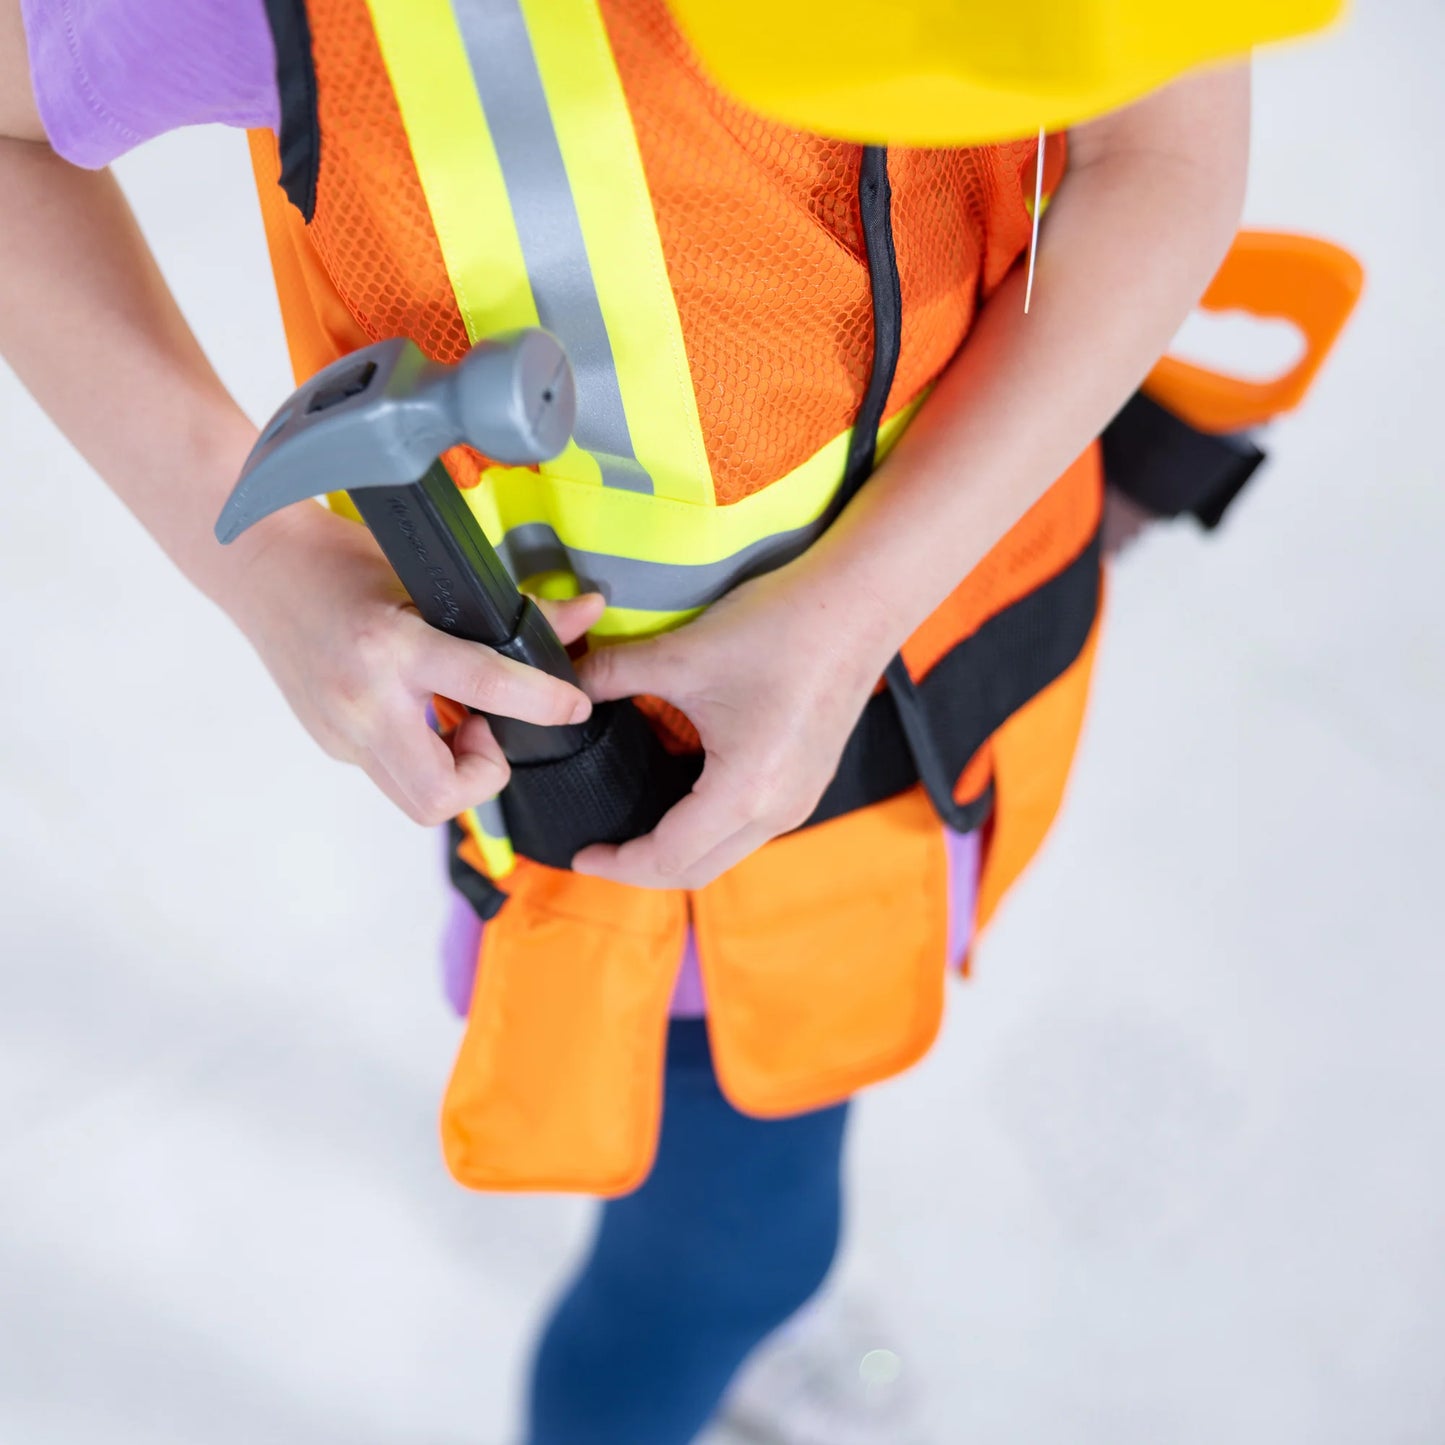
x,y
90,328
776,674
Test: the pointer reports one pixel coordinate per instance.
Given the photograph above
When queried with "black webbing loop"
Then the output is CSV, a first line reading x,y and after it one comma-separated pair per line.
x,y
968,694
618,787
1170,467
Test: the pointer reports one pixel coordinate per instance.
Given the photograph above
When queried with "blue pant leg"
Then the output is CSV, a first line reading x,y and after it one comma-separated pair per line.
x,y
735,1228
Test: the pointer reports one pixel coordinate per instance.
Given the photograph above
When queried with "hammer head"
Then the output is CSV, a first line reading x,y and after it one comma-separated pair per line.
x,y
381,416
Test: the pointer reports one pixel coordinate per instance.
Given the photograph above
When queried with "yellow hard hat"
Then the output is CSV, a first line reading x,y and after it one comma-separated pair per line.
x,y
965,72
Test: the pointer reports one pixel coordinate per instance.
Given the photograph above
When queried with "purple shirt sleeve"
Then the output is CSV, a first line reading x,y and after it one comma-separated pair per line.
x,y
109,74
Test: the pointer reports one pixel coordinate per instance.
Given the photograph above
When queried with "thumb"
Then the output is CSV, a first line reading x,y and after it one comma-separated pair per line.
x,y
481,766
628,669
575,617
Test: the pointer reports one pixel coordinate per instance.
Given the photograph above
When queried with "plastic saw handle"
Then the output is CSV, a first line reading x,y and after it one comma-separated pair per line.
x,y
1274,275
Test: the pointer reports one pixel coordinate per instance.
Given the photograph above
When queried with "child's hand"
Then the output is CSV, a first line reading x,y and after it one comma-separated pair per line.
x,y
359,666
774,677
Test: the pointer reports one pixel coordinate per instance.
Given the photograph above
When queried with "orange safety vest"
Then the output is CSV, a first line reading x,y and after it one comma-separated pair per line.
x,y
822,955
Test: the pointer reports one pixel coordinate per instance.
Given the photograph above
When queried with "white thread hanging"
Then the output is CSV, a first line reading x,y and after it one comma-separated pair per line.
x,y
1038,210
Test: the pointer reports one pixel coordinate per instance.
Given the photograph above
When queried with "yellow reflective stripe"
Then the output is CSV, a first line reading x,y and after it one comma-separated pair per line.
x,y
460,175
549,230
497,854
620,624
657,529
632,524
679,540
609,188
456,162
495,847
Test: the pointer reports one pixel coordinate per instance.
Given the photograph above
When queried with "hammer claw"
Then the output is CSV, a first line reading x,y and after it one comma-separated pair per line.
x,y
382,415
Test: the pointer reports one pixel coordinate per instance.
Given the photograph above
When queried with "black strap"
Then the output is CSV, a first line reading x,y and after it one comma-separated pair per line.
x,y
1170,467
300,134
967,695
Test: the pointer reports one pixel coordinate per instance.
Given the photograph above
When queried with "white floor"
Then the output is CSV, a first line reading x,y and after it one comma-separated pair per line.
x,y
1177,1171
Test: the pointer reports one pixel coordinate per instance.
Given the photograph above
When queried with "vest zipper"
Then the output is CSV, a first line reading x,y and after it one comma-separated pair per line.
x,y
875,206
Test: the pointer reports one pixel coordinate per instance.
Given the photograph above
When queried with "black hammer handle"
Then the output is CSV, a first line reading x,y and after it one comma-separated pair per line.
x,y
453,574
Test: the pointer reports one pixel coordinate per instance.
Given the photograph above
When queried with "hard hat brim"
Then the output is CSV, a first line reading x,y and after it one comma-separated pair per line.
x,y
968,72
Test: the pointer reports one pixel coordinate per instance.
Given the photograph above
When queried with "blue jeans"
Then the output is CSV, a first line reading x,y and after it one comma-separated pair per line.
x,y
734,1229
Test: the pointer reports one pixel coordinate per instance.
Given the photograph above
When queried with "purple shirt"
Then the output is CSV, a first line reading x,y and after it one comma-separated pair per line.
x,y
110,74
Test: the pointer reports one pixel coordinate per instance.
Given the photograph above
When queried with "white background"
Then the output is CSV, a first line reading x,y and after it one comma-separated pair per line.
x,y
1176,1172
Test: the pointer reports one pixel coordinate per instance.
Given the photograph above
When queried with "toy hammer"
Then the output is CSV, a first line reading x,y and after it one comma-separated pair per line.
x,y
376,423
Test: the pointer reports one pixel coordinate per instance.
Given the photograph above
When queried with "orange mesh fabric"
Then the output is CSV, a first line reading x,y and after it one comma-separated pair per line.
x,y
764,248
759,226
671,724
372,229
761,235
959,224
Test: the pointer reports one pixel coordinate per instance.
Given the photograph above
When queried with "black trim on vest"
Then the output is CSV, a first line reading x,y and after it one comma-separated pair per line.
x,y
300,133
1170,467
875,207
479,890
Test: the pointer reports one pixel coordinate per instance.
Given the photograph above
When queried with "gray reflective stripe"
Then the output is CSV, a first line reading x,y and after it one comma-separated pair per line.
x,y
650,586
509,85
492,820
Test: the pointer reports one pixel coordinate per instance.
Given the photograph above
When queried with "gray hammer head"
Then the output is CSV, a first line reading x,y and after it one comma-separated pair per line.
x,y
381,416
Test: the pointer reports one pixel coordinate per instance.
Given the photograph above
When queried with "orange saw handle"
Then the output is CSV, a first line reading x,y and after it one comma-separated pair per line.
x,y
1276,276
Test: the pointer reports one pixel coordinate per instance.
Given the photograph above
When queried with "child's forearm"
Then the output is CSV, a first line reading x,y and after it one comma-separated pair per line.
x,y
1143,218
90,328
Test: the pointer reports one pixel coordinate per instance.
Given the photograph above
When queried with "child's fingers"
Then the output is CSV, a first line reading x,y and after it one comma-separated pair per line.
x,y
731,811
481,766
644,868
629,669
433,782
575,617
488,682
688,832
730,852
474,735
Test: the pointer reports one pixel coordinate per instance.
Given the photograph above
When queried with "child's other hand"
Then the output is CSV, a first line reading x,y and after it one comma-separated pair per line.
x,y
774,677
359,666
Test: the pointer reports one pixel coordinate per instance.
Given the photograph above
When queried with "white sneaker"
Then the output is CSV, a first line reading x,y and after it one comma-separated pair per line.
x,y
833,1375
